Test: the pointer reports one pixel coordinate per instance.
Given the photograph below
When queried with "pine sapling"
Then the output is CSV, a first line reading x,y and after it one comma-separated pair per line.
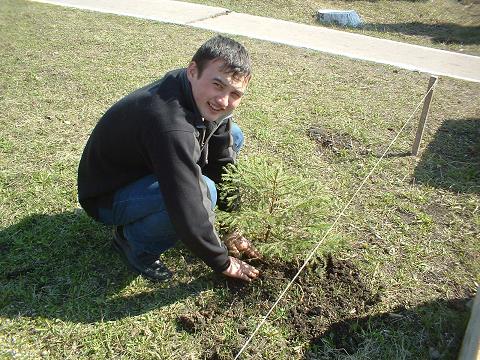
x,y
281,212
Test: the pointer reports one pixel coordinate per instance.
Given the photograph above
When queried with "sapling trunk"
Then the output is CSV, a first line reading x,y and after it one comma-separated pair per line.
x,y
273,198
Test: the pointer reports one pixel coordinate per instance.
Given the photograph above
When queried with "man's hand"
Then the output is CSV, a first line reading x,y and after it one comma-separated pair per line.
x,y
241,270
239,246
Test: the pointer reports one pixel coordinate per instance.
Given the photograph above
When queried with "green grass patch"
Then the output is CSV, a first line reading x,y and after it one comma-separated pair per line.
x,y
444,24
408,245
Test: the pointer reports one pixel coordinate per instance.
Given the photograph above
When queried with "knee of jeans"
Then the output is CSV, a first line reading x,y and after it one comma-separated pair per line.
x,y
238,138
153,233
212,190
105,216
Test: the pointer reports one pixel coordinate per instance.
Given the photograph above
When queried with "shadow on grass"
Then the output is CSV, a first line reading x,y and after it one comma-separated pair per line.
x,y
63,267
433,330
446,33
452,159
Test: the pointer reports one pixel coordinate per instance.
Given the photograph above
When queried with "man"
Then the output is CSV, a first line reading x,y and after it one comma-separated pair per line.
x,y
150,165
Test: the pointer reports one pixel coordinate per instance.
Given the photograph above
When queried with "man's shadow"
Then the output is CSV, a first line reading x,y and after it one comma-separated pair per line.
x,y
62,266
452,159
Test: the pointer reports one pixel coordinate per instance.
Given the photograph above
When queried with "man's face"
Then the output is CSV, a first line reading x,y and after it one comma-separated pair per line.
x,y
216,93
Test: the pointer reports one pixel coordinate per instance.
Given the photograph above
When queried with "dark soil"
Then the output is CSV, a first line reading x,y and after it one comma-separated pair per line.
x,y
326,292
336,142
344,295
191,323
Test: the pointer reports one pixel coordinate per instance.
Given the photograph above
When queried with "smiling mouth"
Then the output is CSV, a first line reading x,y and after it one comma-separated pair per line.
x,y
214,109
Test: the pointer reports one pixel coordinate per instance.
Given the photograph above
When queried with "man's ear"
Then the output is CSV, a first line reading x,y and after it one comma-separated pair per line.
x,y
192,70
247,79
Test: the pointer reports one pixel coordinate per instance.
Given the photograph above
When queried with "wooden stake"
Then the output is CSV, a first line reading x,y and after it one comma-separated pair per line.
x,y
423,117
471,341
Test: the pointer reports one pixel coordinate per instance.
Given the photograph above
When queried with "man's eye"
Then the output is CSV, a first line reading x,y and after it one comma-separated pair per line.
x,y
218,85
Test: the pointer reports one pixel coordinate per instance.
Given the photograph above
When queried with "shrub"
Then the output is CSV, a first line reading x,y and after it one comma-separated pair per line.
x,y
281,212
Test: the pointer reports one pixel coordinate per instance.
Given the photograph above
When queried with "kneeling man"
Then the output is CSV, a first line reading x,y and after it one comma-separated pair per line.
x,y
151,163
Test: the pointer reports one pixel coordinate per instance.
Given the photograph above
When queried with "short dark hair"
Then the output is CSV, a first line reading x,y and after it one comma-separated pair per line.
x,y
236,60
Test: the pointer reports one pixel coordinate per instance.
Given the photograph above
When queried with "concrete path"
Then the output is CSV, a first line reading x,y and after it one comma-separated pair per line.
x,y
406,56
174,12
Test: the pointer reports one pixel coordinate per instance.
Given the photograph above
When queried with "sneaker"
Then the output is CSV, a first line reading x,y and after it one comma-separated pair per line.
x,y
146,264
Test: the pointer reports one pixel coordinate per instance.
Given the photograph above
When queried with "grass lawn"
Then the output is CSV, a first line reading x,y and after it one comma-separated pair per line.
x,y
444,24
392,280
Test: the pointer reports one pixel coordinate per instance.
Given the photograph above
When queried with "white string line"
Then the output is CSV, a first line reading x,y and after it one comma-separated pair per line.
x,y
332,226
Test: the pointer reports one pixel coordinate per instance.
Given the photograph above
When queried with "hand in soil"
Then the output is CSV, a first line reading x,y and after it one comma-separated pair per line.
x,y
239,247
241,270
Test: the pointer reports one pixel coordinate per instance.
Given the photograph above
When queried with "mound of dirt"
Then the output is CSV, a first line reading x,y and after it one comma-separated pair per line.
x,y
338,293
191,323
330,291
329,140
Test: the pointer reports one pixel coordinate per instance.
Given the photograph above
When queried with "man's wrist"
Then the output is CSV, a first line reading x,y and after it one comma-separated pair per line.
x,y
224,267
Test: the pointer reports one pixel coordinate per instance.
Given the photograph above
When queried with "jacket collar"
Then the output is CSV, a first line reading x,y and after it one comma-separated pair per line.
x,y
190,101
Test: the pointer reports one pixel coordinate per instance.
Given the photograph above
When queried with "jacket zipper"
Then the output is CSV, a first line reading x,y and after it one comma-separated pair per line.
x,y
205,141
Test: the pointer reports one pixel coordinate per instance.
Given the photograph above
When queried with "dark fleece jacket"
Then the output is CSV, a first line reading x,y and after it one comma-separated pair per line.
x,y
158,130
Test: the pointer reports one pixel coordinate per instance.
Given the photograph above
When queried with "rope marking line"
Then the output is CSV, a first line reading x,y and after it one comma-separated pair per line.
x,y
332,226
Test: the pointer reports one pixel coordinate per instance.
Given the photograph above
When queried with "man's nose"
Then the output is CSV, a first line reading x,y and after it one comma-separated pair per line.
x,y
223,100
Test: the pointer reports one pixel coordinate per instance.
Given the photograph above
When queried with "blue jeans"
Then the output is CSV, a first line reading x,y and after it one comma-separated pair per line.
x,y
140,208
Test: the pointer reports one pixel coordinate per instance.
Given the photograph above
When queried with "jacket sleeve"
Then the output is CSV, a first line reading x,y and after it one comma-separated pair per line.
x,y
220,151
173,156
